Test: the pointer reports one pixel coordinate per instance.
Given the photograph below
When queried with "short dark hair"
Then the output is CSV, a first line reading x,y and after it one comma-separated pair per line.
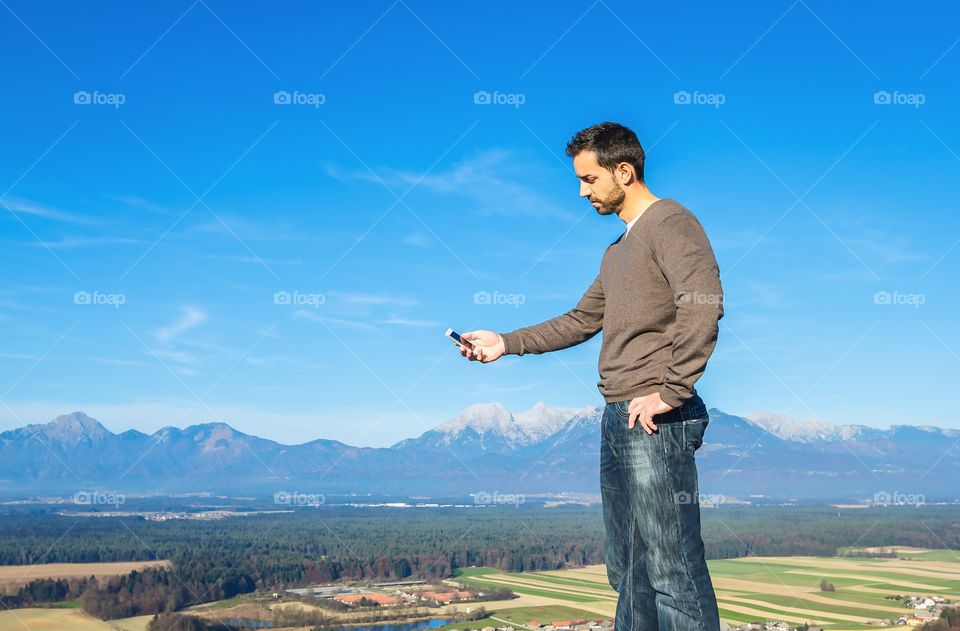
x,y
612,142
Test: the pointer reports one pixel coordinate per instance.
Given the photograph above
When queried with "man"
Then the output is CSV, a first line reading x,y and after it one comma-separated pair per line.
x,y
658,301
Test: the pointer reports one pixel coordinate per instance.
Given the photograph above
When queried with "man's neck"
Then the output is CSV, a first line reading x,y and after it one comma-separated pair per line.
x,y
636,207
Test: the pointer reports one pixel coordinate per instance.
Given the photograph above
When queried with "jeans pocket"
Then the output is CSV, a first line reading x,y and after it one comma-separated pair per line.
x,y
693,431
623,409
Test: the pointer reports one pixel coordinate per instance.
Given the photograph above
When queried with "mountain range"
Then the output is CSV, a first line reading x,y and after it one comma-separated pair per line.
x,y
485,449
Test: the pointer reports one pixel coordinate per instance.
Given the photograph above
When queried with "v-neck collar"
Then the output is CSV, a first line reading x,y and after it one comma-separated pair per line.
x,y
636,219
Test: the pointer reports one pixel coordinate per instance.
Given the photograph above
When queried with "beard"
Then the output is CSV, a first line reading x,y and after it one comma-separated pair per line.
x,y
612,203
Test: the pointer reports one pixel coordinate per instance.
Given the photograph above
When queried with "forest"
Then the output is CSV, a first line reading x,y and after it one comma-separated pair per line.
x,y
217,559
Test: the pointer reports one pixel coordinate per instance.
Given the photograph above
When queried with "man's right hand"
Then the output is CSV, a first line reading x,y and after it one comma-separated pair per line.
x,y
487,346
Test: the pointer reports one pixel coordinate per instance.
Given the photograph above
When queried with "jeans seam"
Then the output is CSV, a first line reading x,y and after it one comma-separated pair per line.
x,y
683,554
605,433
665,443
633,527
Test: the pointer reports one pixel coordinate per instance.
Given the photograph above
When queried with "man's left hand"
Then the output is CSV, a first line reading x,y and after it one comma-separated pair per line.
x,y
643,409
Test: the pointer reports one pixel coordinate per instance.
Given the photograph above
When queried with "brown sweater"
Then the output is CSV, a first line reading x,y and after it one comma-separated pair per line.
x,y
658,301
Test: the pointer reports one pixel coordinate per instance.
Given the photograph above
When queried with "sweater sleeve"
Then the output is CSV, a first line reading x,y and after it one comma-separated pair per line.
x,y
690,267
573,327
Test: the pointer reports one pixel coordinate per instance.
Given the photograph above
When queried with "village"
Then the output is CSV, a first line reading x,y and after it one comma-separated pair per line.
x,y
420,593
393,594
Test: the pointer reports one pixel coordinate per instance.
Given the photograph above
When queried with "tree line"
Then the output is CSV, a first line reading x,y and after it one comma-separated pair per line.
x,y
213,560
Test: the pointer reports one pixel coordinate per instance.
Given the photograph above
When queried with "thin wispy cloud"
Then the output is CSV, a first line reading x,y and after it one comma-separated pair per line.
x,y
20,356
413,323
145,204
761,295
311,316
35,209
190,317
492,182
180,357
418,239
13,305
82,242
252,259
881,241
115,361
230,226
268,361
366,300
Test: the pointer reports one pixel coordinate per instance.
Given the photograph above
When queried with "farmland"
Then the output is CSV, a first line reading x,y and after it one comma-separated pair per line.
x,y
15,575
753,588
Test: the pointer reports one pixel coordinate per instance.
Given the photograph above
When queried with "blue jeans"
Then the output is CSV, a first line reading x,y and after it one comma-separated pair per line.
x,y
651,517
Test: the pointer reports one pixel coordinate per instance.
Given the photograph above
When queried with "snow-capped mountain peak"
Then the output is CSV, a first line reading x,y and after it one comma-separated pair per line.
x,y
484,418
805,431
543,420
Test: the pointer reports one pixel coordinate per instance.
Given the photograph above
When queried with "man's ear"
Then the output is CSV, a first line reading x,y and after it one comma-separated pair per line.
x,y
625,173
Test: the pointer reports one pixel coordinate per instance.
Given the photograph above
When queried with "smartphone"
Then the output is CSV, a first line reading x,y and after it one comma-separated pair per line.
x,y
459,341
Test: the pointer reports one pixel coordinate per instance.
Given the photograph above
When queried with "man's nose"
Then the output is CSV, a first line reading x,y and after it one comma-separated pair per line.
x,y
584,191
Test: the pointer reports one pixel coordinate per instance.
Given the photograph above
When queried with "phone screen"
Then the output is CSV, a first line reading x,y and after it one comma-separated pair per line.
x,y
459,340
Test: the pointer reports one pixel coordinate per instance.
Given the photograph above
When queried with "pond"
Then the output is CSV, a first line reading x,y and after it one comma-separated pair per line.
x,y
419,625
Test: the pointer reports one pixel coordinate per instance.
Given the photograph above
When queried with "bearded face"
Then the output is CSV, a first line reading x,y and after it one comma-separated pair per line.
x,y
612,202
599,185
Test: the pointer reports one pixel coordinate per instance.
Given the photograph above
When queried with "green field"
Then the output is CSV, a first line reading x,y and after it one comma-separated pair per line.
x,y
751,589
748,589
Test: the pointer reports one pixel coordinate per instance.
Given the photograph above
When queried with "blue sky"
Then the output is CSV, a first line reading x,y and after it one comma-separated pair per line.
x,y
269,215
